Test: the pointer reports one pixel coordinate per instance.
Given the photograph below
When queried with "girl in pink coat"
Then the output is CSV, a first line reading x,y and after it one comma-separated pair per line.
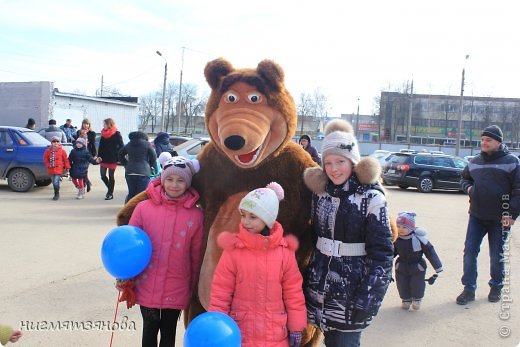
x,y
257,281
174,225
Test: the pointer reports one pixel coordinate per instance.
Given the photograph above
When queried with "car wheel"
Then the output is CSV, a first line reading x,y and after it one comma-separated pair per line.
x,y
20,180
425,184
43,183
402,186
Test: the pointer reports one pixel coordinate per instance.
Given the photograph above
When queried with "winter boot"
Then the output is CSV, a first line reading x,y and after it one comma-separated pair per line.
x,y
416,304
56,194
494,294
465,297
406,304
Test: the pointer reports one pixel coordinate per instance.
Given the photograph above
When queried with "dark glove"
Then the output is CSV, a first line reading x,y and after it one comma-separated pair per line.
x,y
295,338
359,316
127,289
432,279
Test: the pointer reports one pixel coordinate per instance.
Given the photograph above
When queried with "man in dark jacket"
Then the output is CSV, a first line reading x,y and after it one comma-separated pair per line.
x,y
492,181
162,143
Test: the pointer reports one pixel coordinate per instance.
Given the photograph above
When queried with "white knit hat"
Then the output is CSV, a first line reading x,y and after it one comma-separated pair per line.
x,y
264,202
340,140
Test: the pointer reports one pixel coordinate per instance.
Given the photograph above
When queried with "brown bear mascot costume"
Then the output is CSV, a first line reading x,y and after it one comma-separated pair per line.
x,y
251,119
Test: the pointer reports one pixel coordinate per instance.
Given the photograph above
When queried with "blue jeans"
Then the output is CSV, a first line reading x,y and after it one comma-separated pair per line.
x,y
136,184
55,181
477,229
335,338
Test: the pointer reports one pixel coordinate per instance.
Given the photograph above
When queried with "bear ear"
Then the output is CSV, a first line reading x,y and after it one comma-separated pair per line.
x,y
215,70
272,73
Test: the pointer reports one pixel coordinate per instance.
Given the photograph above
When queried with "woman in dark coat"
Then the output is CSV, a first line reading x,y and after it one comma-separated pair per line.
x,y
305,142
110,144
138,157
162,143
88,134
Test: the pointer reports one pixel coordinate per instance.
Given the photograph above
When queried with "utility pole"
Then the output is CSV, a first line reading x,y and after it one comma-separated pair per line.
x,y
410,112
461,108
357,118
179,108
101,90
164,89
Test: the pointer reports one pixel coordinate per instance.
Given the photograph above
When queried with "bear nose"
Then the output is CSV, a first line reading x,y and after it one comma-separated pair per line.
x,y
234,142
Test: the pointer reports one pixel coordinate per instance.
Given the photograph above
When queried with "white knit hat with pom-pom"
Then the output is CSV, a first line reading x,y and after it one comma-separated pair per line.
x,y
264,202
179,166
340,140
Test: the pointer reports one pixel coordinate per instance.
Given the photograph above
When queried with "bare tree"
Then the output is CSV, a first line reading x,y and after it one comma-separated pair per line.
x,y
311,107
149,110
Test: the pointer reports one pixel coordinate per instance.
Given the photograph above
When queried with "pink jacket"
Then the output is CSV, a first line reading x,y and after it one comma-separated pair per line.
x,y
175,228
257,283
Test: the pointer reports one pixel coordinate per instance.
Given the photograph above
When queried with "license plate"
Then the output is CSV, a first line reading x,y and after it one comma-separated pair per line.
x,y
391,171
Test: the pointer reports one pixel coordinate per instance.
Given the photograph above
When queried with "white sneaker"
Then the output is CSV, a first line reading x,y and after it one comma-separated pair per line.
x,y
406,305
416,304
81,194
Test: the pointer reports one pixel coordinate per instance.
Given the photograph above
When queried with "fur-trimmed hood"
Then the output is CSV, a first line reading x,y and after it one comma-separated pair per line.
x,y
245,239
368,171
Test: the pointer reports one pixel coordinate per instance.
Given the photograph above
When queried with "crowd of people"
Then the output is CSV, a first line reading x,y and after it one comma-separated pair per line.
x,y
352,263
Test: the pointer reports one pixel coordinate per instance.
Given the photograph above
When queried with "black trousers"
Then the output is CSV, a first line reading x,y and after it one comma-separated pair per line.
x,y
155,320
109,181
409,278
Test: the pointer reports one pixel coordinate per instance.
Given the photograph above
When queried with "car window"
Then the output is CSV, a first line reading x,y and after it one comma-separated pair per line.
x,y
34,138
442,161
5,139
459,163
422,160
398,159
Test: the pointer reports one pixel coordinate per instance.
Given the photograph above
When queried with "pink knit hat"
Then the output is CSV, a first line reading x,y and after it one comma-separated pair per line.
x,y
179,166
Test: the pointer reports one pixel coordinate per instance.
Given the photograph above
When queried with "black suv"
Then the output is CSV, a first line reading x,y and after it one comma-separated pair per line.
x,y
426,171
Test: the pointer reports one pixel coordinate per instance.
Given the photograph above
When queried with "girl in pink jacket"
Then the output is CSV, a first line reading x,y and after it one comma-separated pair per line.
x,y
257,281
174,225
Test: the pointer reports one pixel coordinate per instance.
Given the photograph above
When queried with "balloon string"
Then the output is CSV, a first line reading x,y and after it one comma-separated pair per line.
x,y
115,316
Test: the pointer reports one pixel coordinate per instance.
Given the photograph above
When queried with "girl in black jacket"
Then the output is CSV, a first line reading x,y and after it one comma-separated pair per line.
x,y
79,159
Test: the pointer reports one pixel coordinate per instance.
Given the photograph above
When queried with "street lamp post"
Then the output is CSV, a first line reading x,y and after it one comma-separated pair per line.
x,y
461,108
357,119
164,89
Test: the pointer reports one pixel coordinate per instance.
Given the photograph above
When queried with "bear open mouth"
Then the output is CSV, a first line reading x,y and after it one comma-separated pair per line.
x,y
248,158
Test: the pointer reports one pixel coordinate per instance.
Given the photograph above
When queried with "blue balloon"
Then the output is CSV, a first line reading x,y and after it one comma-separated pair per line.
x,y
126,251
212,329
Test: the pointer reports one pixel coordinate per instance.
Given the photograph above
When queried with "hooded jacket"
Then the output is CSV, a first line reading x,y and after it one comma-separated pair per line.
x,y
162,143
338,286
258,284
495,182
175,228
79,159
110,144
137,155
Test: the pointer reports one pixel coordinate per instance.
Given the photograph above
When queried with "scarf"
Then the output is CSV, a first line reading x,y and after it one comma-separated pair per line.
x,y
108,133
52,158
416,240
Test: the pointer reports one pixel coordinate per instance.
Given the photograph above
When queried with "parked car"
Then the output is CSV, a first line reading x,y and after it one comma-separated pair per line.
x,y
21,158
381,155
178,140
191,148
426,171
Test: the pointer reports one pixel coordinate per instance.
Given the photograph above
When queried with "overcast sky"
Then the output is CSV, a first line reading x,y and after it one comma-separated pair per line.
x,y
347,49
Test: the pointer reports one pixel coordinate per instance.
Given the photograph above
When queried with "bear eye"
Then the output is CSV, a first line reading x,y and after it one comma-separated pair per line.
x,y
231,98
254,98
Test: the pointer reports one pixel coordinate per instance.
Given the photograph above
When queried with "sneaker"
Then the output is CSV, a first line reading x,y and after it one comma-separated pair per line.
x,y
465,297
405,305
81,194
494,294
109,197
416,304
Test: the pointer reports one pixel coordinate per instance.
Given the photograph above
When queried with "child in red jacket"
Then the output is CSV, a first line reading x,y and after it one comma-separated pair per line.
x,y
57,162
257,281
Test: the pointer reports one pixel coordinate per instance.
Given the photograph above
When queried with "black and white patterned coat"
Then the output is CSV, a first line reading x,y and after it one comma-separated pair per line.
x,y
336,286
